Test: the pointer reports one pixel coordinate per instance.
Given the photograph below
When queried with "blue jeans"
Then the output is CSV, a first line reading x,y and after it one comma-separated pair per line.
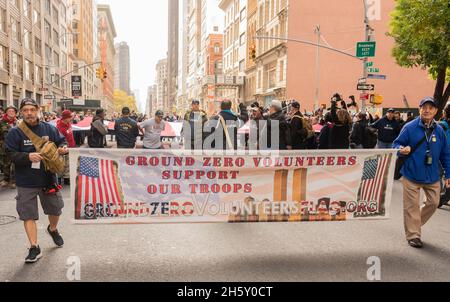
x,y
383,145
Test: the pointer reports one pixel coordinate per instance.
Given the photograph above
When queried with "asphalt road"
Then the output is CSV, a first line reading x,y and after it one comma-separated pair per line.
x,y
229,252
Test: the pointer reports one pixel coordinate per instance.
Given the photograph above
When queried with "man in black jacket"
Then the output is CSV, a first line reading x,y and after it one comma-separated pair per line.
x,y
99,131
127,130
299,133
277,122
32,179
388,130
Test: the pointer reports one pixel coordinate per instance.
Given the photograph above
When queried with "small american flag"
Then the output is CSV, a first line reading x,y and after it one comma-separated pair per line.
x,y
374,179
97,183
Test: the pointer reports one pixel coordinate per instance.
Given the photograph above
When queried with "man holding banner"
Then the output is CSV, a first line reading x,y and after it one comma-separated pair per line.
x,y
424,145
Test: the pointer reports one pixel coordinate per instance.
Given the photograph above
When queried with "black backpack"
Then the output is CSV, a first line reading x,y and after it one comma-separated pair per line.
x,y
370,138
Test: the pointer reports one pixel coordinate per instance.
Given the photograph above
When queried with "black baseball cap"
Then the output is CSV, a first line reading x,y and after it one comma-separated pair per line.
x,y
295,105
28,102
195,102
159,113
125,110
391,110
428,100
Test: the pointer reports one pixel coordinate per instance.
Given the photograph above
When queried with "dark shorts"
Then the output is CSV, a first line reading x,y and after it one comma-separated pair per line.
x,y
27,206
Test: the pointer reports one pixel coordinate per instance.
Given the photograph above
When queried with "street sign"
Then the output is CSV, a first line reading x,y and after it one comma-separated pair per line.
x,y
76,86
369,64
373,70
377,76
362,81
49,97
366,87
42,89
364,96
366,49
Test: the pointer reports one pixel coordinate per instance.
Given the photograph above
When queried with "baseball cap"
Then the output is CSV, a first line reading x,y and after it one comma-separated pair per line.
x,y
28,102
391,110
125,110
428,100
295,105
195,102
159,113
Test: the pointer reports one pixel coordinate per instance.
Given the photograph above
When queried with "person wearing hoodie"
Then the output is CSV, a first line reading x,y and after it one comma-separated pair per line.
x,y
64,126
227,122
277,122
8,121
96,138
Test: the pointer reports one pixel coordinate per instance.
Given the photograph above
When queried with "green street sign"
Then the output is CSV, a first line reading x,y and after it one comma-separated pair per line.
x,y
373,70
366,49
369,64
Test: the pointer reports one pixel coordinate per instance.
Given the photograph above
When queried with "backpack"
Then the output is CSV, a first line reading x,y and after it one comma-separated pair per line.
x,y
306,124
370,140
53,162
446,127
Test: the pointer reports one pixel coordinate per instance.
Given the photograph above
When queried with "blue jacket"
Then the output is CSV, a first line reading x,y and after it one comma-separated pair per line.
x,y
415,168
387,130
127,132
18,147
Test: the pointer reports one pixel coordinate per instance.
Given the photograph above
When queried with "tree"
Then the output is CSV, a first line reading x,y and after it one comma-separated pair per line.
x,y
421,30
122,99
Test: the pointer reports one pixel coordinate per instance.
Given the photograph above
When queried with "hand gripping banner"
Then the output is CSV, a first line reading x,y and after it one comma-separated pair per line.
x,y
175,186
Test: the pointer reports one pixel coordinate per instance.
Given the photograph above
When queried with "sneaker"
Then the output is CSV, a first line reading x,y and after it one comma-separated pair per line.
x,y
34,254
416,243
56,236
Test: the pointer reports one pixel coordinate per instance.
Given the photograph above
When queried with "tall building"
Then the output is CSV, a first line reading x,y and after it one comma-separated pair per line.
x,y
32,59
203,19
213,69
161,86
83,46
235,47
122,67
182,103
250,71
151,101
106,35
271,60
172,59
340,73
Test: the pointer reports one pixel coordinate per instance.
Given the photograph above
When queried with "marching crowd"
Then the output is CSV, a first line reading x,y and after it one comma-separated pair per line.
x,y
28,146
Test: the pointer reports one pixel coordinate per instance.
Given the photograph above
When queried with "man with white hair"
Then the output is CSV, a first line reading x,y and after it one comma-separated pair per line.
x,y
277,122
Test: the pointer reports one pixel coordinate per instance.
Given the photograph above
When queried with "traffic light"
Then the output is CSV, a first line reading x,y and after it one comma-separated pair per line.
x,y
376,99
253,52
99,73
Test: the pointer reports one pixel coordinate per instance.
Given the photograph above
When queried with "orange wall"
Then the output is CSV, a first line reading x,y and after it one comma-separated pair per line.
x,y
342,26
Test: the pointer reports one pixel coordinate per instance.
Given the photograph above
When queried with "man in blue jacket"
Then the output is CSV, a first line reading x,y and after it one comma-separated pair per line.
x,y
127,130
424,144
32,179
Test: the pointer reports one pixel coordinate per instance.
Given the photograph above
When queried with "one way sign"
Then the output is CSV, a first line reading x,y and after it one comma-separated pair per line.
x,y
366,87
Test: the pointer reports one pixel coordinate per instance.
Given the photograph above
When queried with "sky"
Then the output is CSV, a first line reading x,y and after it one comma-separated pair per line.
x,y
143,25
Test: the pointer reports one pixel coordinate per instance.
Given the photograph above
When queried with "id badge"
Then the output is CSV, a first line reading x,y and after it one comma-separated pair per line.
x,y
434,139
36,166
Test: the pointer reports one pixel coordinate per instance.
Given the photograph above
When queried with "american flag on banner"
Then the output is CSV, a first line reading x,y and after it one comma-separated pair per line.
x,y
97,183
374,179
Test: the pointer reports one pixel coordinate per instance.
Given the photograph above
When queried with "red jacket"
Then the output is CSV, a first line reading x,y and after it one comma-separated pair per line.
x,y
66,130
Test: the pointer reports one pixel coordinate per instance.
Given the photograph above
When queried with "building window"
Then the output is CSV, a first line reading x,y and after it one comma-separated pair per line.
x,y
27,8
28,70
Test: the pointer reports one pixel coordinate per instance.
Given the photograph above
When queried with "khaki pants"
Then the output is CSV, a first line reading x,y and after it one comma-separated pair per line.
x,y
416,216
